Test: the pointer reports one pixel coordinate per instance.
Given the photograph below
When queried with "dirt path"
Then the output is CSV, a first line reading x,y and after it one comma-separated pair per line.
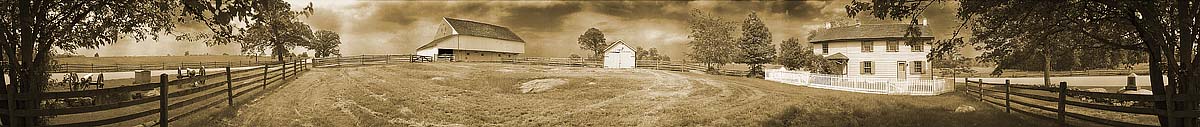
x,y
480,94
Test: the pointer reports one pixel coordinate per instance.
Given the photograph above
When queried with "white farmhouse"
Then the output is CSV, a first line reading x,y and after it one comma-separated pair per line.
x,y
470,40
619,55
875,51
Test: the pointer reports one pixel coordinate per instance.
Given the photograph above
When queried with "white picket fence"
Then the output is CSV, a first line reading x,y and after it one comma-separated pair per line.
x,y
891,86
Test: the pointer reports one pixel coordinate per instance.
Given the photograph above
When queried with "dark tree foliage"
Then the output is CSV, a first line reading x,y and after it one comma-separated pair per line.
x,y
713,43
593,40
325,44
794,55
32,29
1163,30
755,45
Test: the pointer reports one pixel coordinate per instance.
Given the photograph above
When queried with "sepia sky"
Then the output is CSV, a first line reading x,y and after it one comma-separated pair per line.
x,y
550,28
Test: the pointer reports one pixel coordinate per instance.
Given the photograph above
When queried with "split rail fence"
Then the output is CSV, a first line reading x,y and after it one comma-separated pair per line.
x,y
361,60
93,68
644,64
1006,94
170,102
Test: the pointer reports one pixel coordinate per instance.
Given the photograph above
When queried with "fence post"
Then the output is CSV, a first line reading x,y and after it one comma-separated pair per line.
x,y
163,107
1062,103
265,72
229,85
980,88
1007,107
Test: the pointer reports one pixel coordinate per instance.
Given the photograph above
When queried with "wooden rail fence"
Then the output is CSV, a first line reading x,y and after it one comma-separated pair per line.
x,y
270,73
92,68
1002,94
644,64
361,60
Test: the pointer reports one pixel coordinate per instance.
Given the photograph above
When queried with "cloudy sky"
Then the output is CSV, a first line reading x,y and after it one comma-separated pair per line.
x,y
551,28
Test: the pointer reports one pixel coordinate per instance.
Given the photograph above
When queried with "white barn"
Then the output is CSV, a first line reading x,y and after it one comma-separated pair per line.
x,y
619,55
473,41
875,51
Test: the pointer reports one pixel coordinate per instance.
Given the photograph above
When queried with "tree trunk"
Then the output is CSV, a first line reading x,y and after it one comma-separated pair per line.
x,y
1046,65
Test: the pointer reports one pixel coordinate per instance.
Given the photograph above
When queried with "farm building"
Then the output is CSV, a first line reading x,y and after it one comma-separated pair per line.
x,y
875,51
619,55
460,39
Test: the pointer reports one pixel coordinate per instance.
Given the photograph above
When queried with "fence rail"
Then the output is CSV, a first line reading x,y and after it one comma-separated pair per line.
x,y
361,60
984,93
643,64
233,81
1019,74
93,68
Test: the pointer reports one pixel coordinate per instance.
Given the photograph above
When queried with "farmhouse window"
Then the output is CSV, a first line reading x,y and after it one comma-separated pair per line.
x,y
918,46
825,48
893,46
866,46
867,67
919,67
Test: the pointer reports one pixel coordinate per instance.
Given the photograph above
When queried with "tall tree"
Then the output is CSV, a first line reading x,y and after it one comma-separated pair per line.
x,y
1165,30
279,37
32,29
641,53
325,44
652,54
755,45
593,40
712,42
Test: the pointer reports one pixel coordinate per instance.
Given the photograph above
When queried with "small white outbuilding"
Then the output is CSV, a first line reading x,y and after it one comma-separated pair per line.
x,y
619,55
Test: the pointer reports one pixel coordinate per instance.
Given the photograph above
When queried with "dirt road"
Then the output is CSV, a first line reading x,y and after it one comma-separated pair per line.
x,y
484,94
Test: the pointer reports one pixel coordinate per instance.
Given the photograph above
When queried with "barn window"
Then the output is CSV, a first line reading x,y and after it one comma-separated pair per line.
x,y
918,46
867,67
825,48
866,46
893,46
918,67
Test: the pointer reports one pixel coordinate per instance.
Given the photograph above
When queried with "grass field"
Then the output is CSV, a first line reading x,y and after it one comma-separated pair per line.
x,y
159,59
485,94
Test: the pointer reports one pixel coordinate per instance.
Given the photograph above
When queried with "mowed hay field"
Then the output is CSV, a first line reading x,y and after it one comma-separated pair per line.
x,y
490,94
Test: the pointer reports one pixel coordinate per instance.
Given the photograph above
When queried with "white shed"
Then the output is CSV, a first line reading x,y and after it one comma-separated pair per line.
x,y
619,55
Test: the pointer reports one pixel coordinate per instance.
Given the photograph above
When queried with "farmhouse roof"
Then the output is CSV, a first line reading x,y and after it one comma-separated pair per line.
x,y
875,31
478,29
837,56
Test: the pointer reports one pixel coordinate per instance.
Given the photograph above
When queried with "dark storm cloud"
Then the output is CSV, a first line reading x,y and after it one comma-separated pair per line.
x,y
539,18
639,10
551,28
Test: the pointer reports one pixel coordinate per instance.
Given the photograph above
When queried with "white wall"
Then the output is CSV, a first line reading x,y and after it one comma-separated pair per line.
x,y
619,56
885,62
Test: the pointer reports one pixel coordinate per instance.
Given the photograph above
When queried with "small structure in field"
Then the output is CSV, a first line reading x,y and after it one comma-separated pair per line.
x,y
619,55
460,39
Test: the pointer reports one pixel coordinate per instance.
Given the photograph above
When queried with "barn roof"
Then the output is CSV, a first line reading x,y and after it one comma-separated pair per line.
x,y
473,28
614,44
875,31
478,29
